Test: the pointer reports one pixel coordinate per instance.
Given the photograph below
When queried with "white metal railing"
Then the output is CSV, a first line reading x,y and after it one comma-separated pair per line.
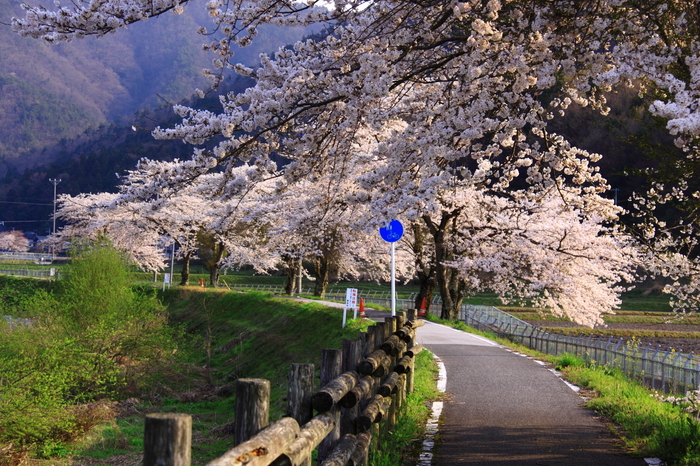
x,y
43,273
666,370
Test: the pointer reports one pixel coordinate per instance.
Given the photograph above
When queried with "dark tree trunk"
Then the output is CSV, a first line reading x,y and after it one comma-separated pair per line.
x,y
214,276
427,288
322,268
185,274
292,266
425,269
213,264
452,288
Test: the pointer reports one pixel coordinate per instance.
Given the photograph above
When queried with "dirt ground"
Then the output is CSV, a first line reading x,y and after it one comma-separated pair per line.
x,y
683,345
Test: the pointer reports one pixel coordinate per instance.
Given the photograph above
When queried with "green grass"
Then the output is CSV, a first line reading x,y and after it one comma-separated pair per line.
x,y
648,427
263,336
401,446
249,335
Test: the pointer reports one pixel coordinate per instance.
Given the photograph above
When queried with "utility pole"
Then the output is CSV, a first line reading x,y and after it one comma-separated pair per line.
x,y
55,182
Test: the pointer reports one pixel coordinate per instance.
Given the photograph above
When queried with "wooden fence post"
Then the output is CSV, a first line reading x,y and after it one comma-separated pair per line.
x,y
378,332
167,439
391,324
252,408
331,367
402,318
352,354
368,347
409,375
300,388
412,314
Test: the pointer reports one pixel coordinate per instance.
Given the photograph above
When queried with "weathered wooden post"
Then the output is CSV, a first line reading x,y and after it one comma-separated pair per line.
x,y
300,388
352,353
413,353
252,408
167,439
391,323
386,330
402,318
331,367
369,343
378,332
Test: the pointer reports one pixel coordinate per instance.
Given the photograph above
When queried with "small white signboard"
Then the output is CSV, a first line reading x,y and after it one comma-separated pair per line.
x,y
350,303
351,298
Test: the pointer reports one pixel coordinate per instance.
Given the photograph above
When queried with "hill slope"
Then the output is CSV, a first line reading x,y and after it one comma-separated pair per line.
x,y
50,93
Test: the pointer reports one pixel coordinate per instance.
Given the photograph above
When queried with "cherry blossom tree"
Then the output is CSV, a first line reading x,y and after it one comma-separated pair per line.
x,y
13,241
90,216
557,248
324,218
473,85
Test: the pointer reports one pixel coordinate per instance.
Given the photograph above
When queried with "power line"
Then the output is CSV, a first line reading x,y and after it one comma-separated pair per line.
x,y
24,221
23,203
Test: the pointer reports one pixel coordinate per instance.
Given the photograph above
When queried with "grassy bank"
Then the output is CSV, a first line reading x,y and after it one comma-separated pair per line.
x,y
649,427
236,335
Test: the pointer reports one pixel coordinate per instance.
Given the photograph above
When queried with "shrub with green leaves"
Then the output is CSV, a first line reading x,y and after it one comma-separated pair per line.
x,y
93,337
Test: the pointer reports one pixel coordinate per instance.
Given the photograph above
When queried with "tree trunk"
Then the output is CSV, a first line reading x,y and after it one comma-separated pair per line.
x,y
322,269
425,269
185,274
214,275
452,288
292,273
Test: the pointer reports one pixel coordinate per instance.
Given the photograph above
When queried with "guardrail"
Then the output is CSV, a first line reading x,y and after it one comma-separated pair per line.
x,y
362,388
30,256
666,370
380,298
44,273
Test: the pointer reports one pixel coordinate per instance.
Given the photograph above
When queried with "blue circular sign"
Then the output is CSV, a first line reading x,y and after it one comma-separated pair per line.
x,y
392,232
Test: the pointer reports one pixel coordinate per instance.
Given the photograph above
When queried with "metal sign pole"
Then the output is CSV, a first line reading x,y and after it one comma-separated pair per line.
x,y
393,282
391,233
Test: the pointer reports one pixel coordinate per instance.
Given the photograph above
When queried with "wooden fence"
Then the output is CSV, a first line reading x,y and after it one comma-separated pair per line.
x,y
362,388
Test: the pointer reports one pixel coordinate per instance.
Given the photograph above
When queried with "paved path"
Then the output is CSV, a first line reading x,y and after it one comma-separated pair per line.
x,y
506,409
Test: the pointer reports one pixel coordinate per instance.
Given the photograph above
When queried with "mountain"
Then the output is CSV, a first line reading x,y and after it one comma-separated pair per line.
x,y
53,93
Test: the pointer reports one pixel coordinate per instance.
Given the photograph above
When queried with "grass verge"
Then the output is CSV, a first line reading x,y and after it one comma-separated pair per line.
x,y
648,427
229,336
402,446
249,335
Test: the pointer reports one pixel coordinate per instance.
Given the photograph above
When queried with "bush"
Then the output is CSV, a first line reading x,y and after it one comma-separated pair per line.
x,y
97,338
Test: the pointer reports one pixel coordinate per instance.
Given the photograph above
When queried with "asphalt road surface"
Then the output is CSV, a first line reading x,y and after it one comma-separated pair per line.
x,y
503,408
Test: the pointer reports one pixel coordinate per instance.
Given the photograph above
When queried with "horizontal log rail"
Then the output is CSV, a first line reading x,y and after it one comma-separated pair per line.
x,y
358,399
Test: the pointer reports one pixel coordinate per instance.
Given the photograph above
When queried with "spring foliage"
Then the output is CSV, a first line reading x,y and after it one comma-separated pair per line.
x,y
418,103
91,337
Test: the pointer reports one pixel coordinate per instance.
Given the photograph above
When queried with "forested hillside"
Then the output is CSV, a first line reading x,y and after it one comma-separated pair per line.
x,y
92,163
69,111
50,93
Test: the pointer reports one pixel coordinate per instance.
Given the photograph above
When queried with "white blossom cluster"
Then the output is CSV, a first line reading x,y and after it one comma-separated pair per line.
x,y
13,241
416,105
690,403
